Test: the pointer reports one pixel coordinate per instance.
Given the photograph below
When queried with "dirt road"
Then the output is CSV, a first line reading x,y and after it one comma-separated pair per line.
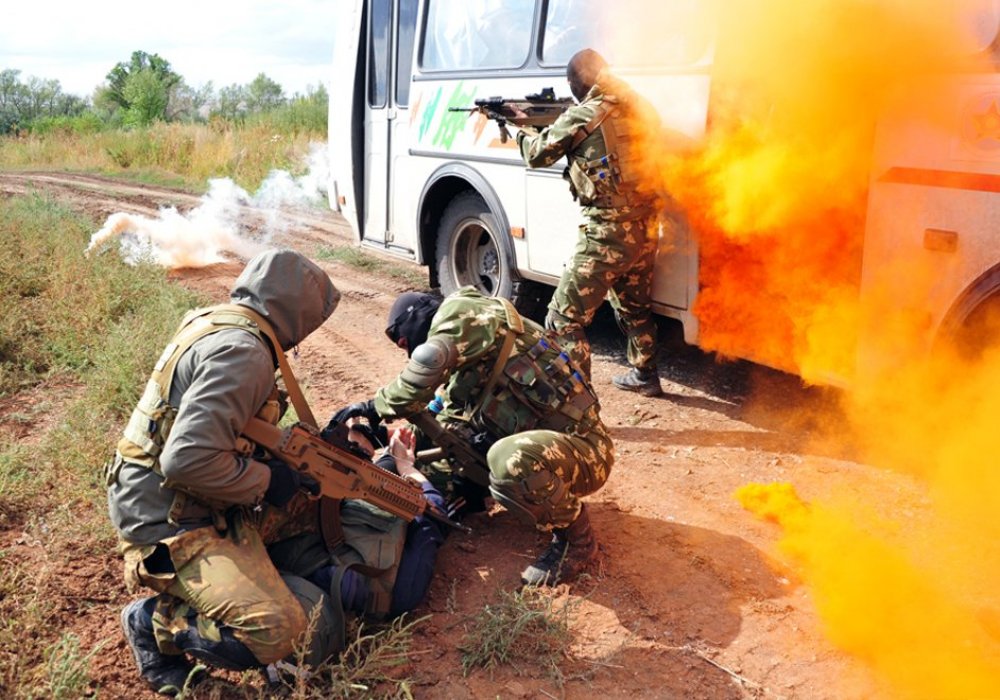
x,y
687,599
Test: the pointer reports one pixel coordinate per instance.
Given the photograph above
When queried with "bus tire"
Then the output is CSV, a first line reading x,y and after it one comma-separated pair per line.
x,y
469,251
980,332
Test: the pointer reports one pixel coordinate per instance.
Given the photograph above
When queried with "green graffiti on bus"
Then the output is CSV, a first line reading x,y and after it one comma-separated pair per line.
x,y
452,123
428,115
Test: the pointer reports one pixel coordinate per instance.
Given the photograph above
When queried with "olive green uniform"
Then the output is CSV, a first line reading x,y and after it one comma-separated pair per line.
x,y
183,492
511,379
616,250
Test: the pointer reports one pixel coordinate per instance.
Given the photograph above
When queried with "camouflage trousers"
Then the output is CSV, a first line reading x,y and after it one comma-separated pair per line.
x,y
613,260
545,473
211,579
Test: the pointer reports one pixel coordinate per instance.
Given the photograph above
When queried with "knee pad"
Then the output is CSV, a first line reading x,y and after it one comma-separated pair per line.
x,y
531,499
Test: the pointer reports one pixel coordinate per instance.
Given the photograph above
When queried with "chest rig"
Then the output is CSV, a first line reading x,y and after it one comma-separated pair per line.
x,y
153,417
533,384
604,159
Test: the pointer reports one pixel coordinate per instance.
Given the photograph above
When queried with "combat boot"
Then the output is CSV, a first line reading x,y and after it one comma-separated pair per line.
x,y
165,674
571,549
644,381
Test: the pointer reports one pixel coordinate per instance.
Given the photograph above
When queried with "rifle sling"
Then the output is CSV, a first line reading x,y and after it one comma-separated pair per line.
x,y
295,394
515,327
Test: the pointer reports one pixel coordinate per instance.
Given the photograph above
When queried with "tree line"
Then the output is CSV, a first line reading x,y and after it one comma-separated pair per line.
x,y
144,90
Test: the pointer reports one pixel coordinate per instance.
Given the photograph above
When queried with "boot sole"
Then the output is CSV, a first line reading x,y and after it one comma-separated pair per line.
x,y
641,390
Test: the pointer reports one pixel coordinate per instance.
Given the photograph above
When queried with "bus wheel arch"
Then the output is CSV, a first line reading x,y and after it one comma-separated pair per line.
x,y
972,324
465,239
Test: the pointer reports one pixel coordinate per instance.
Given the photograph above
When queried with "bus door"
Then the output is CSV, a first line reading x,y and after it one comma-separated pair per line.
x,y
391,28
377,120
402,197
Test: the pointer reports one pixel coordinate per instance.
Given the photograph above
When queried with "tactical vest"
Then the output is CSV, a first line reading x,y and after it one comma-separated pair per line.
x,y
604,160
153,417
537,387
373,544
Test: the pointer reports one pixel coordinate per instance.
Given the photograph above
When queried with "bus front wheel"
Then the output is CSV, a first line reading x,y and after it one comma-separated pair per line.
x,y
469,251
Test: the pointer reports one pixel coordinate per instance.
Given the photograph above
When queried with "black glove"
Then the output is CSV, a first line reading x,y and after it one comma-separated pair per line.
x,y
375,432
361,409
285,483
466,497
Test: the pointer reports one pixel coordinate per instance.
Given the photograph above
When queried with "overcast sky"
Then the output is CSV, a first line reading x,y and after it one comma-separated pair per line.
x,y
223,41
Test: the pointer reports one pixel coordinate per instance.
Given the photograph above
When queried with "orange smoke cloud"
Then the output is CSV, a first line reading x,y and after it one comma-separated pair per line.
x,y
777,194
883,599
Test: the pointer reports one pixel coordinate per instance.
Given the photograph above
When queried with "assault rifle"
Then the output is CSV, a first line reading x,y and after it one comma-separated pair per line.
x,y
540,109
468,461
342,474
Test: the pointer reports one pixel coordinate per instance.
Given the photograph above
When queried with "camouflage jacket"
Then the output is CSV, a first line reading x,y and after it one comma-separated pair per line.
x,y
604,173
538,387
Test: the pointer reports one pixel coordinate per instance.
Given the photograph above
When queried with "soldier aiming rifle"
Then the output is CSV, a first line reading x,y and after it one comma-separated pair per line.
x,y
538,110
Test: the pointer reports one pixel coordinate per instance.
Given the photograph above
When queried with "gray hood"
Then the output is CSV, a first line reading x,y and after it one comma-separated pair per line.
x,y
290,291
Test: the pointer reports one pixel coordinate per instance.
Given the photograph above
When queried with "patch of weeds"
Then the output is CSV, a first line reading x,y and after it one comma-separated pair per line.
x,y
526,628
358,258
66,668
17,480
370,666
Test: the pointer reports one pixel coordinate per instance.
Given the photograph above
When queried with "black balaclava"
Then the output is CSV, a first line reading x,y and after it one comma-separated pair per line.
x,y
410,318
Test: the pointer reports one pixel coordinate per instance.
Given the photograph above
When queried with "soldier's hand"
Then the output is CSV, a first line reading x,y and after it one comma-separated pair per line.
x,y
285,483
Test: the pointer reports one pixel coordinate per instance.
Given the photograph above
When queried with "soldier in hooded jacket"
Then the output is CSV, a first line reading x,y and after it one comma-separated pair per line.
x,y
601,137
506,376
206,521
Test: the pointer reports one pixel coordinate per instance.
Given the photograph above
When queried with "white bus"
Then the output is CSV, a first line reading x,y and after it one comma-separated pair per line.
x,y
439,187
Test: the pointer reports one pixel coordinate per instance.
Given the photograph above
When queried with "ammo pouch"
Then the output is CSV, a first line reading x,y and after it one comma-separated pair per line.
x,y
538,388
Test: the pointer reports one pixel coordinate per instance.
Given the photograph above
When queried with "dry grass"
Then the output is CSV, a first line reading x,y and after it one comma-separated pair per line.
x,y
180,154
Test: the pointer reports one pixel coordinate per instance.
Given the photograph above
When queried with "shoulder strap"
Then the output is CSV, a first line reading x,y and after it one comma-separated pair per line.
x,y
295,394
515,327
603,112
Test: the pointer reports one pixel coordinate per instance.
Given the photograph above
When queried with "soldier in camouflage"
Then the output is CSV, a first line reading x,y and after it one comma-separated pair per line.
x,y
507,376
185,495
615,253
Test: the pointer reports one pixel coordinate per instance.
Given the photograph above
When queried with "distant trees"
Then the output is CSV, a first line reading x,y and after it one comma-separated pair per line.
x,y
142,88
145,89
24,102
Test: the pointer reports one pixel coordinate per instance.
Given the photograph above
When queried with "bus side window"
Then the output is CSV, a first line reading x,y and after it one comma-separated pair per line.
x,y
378,53
566,31
476,34
406,29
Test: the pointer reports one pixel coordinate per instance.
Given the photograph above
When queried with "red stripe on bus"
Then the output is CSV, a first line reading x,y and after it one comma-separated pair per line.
x,y
950,179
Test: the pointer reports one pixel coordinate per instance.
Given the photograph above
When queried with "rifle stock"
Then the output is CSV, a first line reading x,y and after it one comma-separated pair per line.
x,y
341,474
468,462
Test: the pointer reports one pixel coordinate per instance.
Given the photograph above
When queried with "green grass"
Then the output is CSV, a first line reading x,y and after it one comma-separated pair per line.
x,y
356,257
78,337
185,155
526,629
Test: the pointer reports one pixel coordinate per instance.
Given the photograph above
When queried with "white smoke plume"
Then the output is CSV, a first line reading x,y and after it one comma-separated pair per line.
x,y
228,222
